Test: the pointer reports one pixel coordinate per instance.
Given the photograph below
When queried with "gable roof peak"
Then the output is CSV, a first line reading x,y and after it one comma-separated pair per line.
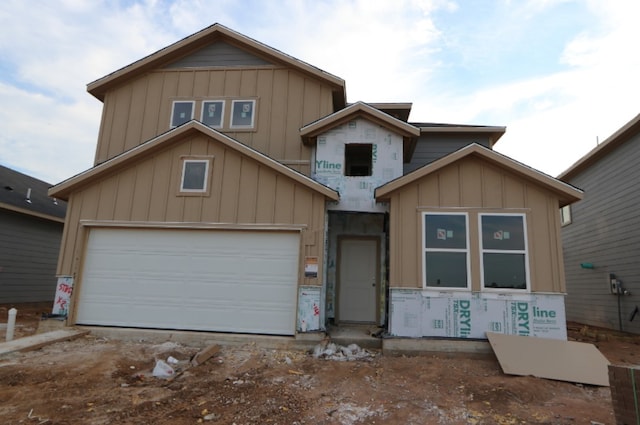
x,y
202,38
64,189
567,193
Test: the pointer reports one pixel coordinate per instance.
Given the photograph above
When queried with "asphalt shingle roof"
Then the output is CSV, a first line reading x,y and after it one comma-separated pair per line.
x,y
14,188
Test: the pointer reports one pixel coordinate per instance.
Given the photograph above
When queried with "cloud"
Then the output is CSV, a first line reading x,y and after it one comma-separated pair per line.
x,y
44,138
557,73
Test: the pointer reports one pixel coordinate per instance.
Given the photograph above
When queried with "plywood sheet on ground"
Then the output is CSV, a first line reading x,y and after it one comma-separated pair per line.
x,y
550,358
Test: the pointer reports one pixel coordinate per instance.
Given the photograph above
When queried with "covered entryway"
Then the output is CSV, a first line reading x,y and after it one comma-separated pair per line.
x,y
358,270
210,280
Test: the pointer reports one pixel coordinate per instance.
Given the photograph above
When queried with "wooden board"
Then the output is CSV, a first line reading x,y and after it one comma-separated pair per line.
x,y
37,341
550,358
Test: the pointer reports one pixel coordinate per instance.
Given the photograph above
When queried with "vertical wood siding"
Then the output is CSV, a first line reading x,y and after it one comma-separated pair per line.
x,y
605,231
243,191
28,258
286,100
475,186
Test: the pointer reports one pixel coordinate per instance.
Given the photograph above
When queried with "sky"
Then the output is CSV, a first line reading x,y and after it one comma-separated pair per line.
x,y
560,75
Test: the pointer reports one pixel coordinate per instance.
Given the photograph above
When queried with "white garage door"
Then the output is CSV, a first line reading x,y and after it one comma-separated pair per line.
x,y
213,280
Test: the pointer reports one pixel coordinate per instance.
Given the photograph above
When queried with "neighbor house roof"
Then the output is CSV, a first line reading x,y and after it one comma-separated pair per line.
x,y
64,189
494,132
28,195
203,38
567,194
626,132
409,133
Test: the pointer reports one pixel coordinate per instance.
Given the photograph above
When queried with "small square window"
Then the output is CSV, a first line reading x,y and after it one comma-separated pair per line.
x,y
194,175
358,159
181,113
243,113
212,113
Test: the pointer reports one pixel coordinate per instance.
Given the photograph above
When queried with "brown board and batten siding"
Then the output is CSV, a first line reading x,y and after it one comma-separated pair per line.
x,y
474,185
141,110
244,194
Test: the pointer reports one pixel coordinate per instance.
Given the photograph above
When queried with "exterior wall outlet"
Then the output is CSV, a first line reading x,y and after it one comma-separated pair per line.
x,y
614,284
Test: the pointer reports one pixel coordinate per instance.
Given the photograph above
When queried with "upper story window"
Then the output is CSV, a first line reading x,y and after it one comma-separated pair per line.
x,y
212,113
195,175
565,215
243,113
446,251
181,112
504,259
358,159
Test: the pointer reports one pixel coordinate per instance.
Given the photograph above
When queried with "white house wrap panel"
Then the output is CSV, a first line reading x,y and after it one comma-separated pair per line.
x,y
356,192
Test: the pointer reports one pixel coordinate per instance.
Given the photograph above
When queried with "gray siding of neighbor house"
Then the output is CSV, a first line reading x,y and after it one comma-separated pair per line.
x,y
605,231
29,249
434,146
218,54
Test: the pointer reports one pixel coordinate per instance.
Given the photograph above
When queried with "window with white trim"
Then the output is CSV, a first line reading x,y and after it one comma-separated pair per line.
x,y
503,251
212,113
445,260
195,174
181,112
243,113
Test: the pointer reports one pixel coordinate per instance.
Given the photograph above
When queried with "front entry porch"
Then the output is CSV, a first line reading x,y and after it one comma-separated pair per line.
x,y
356,271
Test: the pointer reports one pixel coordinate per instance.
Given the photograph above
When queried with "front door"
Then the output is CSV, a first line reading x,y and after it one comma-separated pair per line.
x,y
358,271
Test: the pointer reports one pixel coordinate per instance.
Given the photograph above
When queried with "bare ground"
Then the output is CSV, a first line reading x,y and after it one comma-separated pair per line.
x,y
98,381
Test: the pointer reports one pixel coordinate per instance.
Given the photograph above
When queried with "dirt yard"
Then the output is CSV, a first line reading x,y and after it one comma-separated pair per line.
x,y
97,381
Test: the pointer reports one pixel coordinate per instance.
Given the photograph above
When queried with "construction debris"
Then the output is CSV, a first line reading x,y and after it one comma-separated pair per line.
x,y
569,361
205,354
332,351
163,370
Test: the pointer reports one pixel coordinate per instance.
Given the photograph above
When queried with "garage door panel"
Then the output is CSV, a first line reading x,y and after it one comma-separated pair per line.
x,y
202,280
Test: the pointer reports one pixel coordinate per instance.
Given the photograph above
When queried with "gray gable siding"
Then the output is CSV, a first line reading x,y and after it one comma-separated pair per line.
x,y
605,231
29,249
218,54
431,147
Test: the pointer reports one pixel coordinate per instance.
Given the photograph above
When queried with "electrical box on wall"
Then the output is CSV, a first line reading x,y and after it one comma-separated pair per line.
x,y
614,284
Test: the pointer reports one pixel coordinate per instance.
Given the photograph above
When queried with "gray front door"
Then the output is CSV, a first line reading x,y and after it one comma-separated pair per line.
x,y
358,279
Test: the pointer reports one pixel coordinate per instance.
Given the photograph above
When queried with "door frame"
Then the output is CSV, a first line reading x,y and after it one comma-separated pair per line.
x,y
341,238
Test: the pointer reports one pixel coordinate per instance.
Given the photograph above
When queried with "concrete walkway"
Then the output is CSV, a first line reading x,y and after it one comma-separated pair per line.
x,y
37,341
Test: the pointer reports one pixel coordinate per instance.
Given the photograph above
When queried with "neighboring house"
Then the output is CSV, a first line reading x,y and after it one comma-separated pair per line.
x,y
601,234
31,226
235,190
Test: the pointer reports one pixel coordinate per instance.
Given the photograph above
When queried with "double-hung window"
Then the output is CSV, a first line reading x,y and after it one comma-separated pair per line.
x,y
504,251
446,250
